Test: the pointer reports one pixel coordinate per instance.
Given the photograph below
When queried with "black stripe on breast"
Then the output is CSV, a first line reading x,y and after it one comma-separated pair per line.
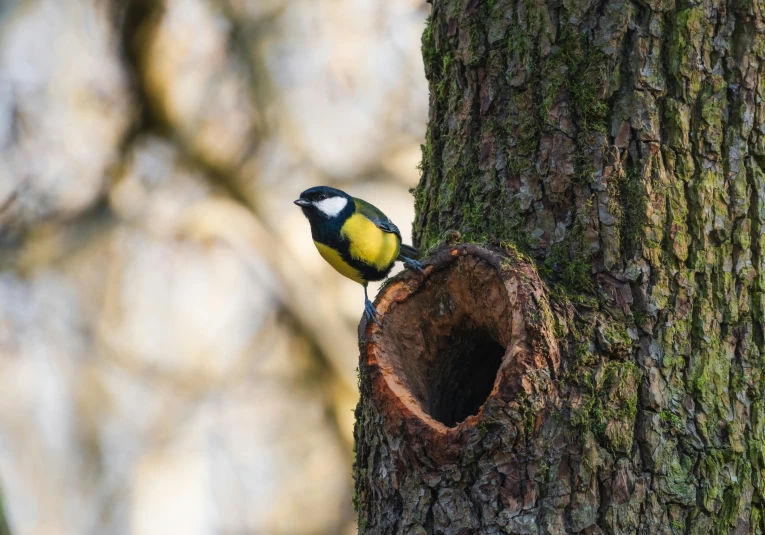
x,y
329,234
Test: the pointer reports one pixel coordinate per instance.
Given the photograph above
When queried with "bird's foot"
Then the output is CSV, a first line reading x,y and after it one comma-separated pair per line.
x,y
413,264
371,312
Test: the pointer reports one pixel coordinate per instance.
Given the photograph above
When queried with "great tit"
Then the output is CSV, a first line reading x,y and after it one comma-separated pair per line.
x,y
356,238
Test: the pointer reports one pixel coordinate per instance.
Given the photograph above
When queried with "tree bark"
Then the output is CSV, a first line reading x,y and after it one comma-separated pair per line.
x,y
611,155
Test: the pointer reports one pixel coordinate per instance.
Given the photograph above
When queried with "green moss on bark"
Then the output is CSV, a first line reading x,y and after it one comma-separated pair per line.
x,y
618,145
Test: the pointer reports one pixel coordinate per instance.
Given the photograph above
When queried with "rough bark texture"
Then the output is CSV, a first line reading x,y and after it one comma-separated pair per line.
x,y
477,325
618,148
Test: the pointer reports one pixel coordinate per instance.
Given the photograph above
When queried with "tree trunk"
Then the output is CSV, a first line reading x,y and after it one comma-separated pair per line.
x,y
595,365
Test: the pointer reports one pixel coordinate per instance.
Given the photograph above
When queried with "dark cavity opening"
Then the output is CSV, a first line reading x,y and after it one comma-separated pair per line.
x,y
462,375
445,344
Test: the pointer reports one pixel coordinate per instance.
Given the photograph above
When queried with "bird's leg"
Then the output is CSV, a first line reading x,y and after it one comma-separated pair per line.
x,y
369,308
412,264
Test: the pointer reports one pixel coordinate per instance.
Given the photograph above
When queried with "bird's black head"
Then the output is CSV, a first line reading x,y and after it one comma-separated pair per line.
x,y
323,202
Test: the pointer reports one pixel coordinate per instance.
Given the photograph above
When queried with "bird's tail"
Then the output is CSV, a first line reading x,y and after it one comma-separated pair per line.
x,y
408,251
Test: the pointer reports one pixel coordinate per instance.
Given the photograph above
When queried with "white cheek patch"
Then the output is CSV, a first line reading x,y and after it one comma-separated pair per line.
x,y
332,206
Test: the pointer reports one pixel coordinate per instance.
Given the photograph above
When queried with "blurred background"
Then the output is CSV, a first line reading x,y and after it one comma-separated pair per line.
x,y
175,357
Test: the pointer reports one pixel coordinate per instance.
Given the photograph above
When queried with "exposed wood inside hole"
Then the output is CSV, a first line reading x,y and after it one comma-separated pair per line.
x,y
458,337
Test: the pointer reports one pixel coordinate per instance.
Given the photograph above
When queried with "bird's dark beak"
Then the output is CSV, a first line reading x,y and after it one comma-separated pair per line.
x,y
303,202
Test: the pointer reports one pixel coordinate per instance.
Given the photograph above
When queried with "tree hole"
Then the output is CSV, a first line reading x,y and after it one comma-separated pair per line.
x,y
462,376
444,345
457,343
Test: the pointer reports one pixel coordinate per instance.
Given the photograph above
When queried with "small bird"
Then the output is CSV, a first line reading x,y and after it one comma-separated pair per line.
x,y
356,238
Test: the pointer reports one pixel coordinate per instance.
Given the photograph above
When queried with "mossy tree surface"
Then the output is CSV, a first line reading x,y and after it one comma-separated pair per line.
x,y
620,146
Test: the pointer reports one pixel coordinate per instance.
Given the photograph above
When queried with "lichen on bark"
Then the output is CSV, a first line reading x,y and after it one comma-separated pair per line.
x,y
620,146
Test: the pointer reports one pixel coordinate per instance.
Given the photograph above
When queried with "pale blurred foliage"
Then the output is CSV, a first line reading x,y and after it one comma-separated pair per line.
x,y
175,357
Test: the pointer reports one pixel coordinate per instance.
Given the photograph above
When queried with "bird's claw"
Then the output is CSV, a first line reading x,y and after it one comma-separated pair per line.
x,y
371,312
413,264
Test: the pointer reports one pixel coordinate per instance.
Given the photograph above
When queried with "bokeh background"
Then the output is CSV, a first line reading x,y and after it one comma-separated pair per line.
x,y
175,357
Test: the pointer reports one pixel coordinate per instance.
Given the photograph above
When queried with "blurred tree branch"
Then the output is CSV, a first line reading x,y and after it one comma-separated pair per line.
x,y
4,529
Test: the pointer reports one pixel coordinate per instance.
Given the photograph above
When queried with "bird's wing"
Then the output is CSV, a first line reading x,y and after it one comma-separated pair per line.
x,y
380,220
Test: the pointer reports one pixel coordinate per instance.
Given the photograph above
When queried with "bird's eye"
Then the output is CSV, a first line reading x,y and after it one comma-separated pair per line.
x,y
322,196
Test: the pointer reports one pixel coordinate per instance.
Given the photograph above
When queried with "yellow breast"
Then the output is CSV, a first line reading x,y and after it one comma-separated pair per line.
x,y
369,244
334,259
